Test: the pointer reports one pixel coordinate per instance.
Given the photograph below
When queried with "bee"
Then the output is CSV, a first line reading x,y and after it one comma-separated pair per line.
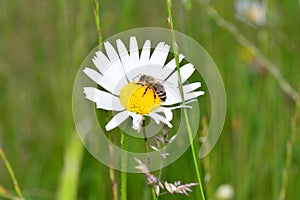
x,y
151,83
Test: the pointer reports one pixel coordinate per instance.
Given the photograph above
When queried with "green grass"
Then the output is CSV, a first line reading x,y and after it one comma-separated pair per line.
x,y
42,44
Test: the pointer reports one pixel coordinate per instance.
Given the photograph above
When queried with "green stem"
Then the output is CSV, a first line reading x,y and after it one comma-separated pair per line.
x,y
124,144
111,153
289,151
161,165
6,194
11,174
69,177
153,193
97,21
111,171
189,129
146,143
147,151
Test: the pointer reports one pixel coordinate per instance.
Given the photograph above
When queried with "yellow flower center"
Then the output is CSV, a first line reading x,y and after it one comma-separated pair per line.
x,y
137,98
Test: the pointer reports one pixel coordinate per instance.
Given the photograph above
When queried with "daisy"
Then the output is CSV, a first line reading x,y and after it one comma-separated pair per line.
x,y
120,74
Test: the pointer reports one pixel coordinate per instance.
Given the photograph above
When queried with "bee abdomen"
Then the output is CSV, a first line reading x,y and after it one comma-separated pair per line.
x,y
162,95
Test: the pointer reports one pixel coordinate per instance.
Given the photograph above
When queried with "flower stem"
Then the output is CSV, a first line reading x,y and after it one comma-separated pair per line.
x,y
124,144
111,154
161,161
11,173
289,151
111,172
153,193
189,129
6,194
148,158
146,142
69,177
97,22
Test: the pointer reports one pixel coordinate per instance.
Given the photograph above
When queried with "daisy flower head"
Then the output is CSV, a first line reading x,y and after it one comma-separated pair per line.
x,y
133,84
251,12
138,84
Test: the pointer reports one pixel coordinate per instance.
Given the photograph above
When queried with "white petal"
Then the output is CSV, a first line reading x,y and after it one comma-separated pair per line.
x,y
174,97
115,68
167,112
160,54
114,73
145,55
136,121
170,67
186,98
158,118
100,61
104,81
134,52
185,72
117,120
103,100
111,52
181,106
193,95
124,56
191,87
93,74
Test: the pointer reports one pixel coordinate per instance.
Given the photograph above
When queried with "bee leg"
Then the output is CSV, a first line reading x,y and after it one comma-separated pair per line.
x,y
147,88
154,96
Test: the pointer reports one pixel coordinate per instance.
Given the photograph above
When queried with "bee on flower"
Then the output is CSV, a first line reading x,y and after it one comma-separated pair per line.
x,y
136,84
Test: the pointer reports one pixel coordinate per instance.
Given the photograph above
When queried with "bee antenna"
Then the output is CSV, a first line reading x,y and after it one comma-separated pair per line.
x,y
139,75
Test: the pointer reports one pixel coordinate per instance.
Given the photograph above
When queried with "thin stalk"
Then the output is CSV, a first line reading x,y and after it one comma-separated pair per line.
x,y
189,129
268,65
147,151
11,173
97,22
146,142
289,152
124,144
69,177
161,165
111,172
153,194
6,194
111,153
206,161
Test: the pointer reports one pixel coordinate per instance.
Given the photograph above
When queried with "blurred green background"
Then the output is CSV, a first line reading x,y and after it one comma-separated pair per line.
x,y
42,44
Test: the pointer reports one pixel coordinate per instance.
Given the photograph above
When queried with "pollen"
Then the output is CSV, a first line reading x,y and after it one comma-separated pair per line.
x,y
139,99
